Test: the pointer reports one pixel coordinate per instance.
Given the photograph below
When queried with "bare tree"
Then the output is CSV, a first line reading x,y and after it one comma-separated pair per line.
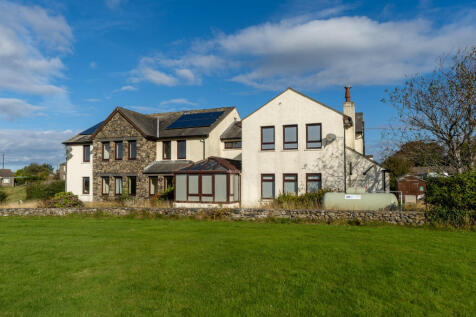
x,y
441,109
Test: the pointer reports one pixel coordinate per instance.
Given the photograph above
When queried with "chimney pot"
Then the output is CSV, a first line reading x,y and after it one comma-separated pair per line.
x,y
347,93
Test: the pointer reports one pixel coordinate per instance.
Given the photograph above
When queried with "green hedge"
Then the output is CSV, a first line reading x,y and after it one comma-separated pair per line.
x,y
3,196
42,190
452,199
308,200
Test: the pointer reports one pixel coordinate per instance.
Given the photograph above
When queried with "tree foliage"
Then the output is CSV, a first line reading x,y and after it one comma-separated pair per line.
x,y
440,109
34,171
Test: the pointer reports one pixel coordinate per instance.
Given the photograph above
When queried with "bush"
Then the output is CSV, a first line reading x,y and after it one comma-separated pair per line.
x,y
63,200
45,190
3,196
452,199
308,200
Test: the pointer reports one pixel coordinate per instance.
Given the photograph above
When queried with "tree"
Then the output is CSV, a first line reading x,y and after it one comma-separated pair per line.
x,y
35,171
420,153
441,109
398,165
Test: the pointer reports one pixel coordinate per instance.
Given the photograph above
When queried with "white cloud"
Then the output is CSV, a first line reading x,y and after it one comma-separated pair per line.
x,y
23,147
178,101
127,88
12,108
310,52
93,100
93,65
29,39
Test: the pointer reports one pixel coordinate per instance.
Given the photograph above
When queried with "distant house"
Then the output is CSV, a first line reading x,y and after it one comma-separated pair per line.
x,y
7,178
412,187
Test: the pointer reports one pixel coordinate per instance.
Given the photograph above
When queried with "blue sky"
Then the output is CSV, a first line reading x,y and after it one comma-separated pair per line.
x,y
65,65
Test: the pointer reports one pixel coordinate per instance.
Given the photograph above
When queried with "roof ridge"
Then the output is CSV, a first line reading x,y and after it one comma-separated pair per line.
x,y
189,111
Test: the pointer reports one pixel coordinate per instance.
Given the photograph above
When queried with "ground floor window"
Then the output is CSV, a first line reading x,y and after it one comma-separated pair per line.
x,y
313,182
86,184
153,185
207,188
169,181
132,185
118,181
105,185
267,186
290,184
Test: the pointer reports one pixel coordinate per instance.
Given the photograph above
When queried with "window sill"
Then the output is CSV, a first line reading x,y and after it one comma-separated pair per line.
x,y
313,149
267,150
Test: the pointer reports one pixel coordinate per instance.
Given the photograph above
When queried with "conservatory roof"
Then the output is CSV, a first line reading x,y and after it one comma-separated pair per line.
x,y
212,164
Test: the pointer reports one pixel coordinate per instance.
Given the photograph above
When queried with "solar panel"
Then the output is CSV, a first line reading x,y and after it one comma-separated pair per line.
x,y
91,129
195,120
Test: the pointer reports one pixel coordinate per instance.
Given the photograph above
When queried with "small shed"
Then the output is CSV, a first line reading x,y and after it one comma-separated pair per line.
x,y
412,187
208,183
7,178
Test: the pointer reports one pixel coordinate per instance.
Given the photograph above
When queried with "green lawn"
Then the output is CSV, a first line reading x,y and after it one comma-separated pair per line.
x,y
117,266
14,194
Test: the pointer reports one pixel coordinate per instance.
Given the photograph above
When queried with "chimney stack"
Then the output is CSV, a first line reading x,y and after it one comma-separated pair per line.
x,y
347,93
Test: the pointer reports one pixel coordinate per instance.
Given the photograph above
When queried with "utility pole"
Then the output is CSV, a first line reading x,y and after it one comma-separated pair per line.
x,y
3,161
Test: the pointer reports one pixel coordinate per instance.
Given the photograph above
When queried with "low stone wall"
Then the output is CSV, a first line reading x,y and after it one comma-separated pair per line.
x,y
394,217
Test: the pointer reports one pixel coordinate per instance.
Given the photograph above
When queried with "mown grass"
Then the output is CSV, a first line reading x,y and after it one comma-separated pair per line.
x,y
119,266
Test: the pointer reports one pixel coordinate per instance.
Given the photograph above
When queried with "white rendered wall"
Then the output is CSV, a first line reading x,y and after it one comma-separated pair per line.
x,y
290,108
76,169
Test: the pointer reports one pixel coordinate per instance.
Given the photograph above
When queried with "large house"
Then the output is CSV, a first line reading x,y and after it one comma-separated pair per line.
x,y
292,144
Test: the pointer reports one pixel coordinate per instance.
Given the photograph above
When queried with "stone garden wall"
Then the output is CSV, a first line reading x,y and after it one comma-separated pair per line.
x,y
393,217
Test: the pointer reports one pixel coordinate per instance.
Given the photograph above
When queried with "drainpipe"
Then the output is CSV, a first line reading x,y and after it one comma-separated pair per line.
x,y
203,141
345,163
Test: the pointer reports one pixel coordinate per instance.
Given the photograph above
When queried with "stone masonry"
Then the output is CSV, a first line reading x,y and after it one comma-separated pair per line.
x,y
416,218
119,129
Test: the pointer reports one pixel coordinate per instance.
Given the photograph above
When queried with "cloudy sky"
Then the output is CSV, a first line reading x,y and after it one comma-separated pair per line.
x,y
65,65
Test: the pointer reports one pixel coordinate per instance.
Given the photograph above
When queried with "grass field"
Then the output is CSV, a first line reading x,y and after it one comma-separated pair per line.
x,y
117,266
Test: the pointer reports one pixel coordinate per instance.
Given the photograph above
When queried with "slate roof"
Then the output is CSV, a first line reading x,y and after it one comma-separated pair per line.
x,y
233,132
147,125
359,122
6,173
213,164
165,167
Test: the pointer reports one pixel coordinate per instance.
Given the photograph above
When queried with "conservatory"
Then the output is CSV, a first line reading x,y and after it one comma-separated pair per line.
x,y
208,183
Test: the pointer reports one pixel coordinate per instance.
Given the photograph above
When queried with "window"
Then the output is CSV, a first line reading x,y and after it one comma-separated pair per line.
x,y
350,168
313,136
86,185
132,185
290,137
221,188
267,138
233,145
105,151
207,188
290,184
193,194
168,181
181,187
181,149
105,185
313,183
132,150
118,181
267,186
86,153
153,185
119,150
166,150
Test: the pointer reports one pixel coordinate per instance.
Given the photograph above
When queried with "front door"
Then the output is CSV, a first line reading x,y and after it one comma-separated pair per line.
x,y
169,181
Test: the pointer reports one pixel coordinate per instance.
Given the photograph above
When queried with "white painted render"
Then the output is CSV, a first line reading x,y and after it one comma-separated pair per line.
x,y
373,180
293,108
76,169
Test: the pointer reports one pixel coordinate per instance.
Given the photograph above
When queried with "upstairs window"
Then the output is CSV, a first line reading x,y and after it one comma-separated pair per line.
x,y
182,149
313,136
132,150
119,150
233,145
267,186
86,153
290,184
290,137
105,151
313,183
267,138
166,150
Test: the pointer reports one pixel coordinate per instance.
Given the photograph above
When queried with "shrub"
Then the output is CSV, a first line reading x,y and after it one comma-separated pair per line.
x,y
3,196
308,200
452,199
44,190
63,200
